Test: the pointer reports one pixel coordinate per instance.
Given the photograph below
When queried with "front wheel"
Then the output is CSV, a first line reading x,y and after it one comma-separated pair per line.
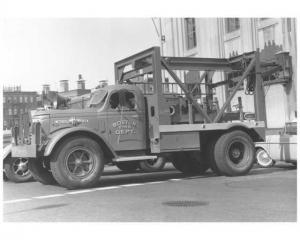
x,y
77,163
234,153
16,170
263,159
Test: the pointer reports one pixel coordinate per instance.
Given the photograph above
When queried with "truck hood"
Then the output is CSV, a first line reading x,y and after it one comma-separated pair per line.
x,y
53,113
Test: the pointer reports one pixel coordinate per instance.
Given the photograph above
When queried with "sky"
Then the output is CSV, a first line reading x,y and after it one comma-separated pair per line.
x,y
44,51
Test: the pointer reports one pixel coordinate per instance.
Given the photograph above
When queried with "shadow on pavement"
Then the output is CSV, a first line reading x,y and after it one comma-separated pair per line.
x,y
40,208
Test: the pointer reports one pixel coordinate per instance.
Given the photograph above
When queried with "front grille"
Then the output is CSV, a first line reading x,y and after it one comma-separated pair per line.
x,y
21,132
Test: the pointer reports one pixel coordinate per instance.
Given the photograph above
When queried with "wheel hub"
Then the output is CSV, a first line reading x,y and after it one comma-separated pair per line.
x,y
22,166
236,153
80,162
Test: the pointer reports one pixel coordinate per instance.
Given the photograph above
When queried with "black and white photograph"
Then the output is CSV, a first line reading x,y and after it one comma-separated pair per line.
x,y
149,119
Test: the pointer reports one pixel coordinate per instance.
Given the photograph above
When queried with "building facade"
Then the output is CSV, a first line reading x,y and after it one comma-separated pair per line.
x,y
15,104
225,37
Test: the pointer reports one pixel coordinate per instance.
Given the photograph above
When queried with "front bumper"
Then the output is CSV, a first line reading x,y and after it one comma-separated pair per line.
x,y
24,151
21,148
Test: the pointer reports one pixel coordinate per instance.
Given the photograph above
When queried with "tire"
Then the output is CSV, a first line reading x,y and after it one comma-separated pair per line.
x,y
78,162
16,170
128,167
209,156
5,179
263,159
190,163
234,153
153,165
40,172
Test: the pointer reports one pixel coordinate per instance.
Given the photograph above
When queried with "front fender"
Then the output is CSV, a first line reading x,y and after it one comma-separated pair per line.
x,y
57,136
6,151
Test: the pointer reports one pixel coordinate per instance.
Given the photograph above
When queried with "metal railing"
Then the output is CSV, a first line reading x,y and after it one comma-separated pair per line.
x,y
170,88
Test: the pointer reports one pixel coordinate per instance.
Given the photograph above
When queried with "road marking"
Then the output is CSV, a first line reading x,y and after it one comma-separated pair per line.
x,y
17,200
49,196
90,190
132,184
81,191
156,182
106,188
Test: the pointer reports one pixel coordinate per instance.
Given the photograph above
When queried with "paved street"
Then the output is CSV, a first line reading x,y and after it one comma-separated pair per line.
x,y
264,195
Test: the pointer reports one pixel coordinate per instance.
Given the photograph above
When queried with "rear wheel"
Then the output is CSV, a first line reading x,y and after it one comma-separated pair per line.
x,y
128,166
40,171
209,156
77,163
153,165
263,159
190,163
234,153
16,169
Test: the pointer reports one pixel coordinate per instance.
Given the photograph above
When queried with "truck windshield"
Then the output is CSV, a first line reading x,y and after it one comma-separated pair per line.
x,y
98,99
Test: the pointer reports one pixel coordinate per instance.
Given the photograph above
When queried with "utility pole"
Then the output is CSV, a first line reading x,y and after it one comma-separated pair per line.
x,y
160,35
162,38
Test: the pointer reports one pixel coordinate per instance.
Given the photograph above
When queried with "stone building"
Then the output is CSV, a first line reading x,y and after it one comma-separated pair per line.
x,y
225,37
15,104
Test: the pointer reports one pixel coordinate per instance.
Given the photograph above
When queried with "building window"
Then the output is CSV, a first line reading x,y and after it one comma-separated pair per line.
x,y
25,99
15,111
21,99
4,99
190,33
232,24
289,24
15,99
269,34
9,99
31,99
21,111
9,111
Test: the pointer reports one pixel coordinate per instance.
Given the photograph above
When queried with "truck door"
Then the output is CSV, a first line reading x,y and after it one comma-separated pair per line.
x,y
126,121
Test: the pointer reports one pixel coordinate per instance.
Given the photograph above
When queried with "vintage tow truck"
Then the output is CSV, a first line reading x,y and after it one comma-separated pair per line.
x,y
145,117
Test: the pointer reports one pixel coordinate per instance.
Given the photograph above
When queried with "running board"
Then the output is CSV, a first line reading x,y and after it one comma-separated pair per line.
x,y
134,158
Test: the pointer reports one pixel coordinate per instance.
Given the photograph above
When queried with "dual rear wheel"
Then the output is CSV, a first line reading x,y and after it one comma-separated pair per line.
x,y
231,154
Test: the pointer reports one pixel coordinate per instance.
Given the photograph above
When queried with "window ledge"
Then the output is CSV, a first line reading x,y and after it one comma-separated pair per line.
x,y
267,23
190,52
232,35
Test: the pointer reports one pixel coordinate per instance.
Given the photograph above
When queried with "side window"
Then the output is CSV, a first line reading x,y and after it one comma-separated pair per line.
x,y
123,100
129,101
114,100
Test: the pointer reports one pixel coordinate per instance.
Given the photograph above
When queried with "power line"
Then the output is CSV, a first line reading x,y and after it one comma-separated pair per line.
x,y
157,32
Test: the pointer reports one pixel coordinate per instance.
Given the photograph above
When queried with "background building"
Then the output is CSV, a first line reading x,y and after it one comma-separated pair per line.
x,y
16,103
225,37
80,90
